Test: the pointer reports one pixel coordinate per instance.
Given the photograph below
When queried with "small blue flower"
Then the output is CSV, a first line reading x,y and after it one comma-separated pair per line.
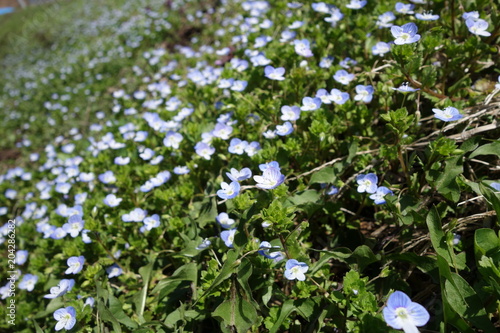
x,y
339,97
426,16
21,257
332,190
310,104
237,146
238,176
204,150
172,140
405,34
367,183
228,237
385,20
284,129
405,88
274,73
111,200
75,265
295,270
478,27
107,177
342,76
378,197
270,179
364,93
113,271
302,48
28,282
404,8
276,256
66,318
448,114
206,243
381,48
225,221
150,222
239,85
290,113
402,313
62,288
74,226
356,4
228,191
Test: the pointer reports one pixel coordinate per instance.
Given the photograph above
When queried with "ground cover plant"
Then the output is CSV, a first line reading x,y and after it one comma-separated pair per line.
x,y
250,166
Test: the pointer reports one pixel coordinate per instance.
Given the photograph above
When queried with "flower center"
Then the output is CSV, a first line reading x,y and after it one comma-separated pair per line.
x,y
402,313
405,36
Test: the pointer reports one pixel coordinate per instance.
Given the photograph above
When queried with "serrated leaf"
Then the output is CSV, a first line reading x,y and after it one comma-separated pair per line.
x,y
116,309
238,313
325,175
487,149
464,300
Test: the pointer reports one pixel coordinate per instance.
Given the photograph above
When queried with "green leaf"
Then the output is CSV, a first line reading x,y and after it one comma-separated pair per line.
x,y
107,316
437,236
140,297
486,242
464,300
237,312
363,256
187,272
487,149
245,273
325,175
227,269
305,197
116,309
446,183
492,197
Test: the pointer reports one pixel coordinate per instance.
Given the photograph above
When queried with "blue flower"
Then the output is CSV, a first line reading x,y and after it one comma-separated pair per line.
x,y
342,76
284,129
264,251
478,27
324,96
405,34
238,176
239,85
204,150
302,48
381,48
150,222
405,88
181,170
74,226
339,97
426,16
107,177
62,288
310,104
367,183
114,270
326,62
274,73
295,270
448,114
402,313
252,148
270,179
28,282
228,237
385,20
378,197
364,93
404,8
290,113
21,257
111,200
66,318
356,4
272,164
228,191
225,221
206,243
136,215
237,146
75,265
332,190
172,139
